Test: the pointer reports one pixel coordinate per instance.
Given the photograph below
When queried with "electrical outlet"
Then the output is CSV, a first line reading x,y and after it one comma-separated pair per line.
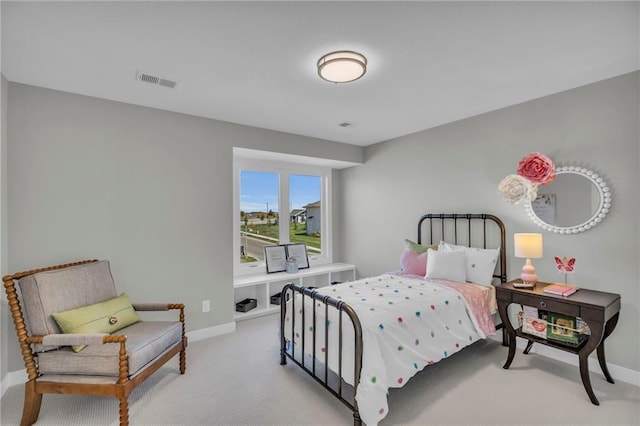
x,y
206,306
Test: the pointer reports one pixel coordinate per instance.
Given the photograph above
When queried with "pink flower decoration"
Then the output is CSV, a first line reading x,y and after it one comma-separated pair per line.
x,y
515,189
538,168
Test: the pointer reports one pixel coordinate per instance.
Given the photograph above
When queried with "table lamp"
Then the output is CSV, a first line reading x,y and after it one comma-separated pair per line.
x,y
527,246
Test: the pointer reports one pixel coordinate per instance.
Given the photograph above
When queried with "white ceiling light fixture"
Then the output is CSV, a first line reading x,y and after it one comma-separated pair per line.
x,y
343,66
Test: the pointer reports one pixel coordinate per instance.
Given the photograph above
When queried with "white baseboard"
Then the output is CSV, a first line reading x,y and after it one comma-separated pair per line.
x,y
205,333
624,374
14,378
20,377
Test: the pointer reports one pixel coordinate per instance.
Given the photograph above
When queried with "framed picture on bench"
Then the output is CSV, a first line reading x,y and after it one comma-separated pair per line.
x,y
299,252
275,258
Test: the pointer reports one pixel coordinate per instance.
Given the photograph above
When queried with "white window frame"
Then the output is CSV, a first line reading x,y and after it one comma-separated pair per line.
x,y
284,170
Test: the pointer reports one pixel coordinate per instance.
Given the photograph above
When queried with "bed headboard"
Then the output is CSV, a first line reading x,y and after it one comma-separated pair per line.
x,y
473,230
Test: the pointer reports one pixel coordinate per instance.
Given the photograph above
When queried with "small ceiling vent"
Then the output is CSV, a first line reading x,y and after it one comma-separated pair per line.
x,y
348,124
148,78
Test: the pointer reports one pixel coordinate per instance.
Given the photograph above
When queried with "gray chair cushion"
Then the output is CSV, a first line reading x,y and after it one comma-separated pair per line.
x,y
146,340
54,291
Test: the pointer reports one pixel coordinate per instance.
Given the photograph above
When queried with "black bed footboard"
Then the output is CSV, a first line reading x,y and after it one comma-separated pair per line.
x,y
296,302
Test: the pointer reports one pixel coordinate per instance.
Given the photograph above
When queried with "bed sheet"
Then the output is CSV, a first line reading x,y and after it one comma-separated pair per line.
x,y
407,323
488,291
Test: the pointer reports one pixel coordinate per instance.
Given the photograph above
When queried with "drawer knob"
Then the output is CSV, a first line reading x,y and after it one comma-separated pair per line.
x,y
543,304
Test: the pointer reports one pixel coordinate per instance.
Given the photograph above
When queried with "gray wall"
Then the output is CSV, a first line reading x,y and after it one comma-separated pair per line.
x,y
147,189
457,167
5,324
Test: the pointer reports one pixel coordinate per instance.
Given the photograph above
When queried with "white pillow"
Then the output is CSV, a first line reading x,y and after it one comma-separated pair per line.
x,y
447,265
480,263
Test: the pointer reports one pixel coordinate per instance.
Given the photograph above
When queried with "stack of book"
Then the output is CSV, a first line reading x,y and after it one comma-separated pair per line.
x,y
560,289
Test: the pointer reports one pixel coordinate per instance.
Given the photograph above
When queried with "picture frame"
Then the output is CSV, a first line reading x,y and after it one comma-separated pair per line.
x,y
299,252
544,206
275,258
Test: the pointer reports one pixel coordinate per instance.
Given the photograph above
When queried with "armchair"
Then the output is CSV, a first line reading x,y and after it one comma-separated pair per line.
x,y
110,364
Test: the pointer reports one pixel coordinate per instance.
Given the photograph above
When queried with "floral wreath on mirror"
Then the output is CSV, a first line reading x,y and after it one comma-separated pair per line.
x,y
537,169
533,170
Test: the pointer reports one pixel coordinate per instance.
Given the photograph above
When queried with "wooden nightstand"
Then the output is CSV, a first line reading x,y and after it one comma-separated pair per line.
x,y
598,309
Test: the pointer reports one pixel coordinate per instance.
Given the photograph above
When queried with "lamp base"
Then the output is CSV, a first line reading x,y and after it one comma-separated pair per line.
x,y
523,285
528,276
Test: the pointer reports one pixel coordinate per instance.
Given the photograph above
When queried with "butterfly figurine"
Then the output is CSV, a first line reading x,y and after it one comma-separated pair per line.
x,y
565,264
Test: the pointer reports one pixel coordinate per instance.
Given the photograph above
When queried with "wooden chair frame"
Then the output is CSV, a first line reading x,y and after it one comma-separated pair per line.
x,y
35,387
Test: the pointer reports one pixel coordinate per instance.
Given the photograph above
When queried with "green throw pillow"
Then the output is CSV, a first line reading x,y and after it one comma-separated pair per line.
x,y
418,248
104,317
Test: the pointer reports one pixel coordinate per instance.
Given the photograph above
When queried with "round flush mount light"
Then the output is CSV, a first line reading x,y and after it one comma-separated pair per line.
x,y
342,66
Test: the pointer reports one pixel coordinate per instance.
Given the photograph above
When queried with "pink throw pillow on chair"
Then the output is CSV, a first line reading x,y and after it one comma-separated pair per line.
x,y
413,263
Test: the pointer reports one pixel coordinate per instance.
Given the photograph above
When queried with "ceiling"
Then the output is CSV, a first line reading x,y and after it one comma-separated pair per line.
x,y
254,63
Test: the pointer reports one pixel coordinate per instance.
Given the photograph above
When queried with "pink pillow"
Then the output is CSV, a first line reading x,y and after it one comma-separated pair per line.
x,y
413,263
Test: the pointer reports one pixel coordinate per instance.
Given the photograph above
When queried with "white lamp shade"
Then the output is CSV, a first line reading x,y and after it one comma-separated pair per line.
x,y
342,67
528,246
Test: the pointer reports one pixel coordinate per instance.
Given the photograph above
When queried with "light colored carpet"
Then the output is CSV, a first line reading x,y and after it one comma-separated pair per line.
x,y
236,379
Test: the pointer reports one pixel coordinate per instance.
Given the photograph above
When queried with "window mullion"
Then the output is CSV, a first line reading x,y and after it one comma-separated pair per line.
x,y
325,190
283,208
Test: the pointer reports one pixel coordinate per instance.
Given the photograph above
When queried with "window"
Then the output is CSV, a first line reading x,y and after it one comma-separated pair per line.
x,y
279,203
305,212
259,218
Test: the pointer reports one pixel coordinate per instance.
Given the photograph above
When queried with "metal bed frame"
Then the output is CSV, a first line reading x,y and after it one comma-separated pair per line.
x,y
473,230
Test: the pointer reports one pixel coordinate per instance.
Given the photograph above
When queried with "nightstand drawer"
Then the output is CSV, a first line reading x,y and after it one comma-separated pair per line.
x,y
560,307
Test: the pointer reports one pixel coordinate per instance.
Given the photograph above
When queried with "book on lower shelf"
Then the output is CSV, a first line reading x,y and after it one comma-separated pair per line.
x,y
567,329
560,289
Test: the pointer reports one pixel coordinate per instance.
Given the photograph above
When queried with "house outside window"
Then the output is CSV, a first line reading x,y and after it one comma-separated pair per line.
x,y
313,218
298,216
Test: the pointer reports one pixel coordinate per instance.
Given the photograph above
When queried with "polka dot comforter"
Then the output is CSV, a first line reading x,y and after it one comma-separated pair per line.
x,y
408,323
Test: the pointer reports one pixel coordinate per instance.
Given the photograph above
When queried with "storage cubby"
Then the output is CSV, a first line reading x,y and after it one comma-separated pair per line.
x,y
321,280
276,287
340,277
250,293
262,286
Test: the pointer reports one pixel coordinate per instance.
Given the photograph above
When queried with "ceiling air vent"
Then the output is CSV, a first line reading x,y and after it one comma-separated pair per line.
x,y
148,78
167,83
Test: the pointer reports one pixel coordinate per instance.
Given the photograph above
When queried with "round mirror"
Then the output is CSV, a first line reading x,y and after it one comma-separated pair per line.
x,y
577,200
